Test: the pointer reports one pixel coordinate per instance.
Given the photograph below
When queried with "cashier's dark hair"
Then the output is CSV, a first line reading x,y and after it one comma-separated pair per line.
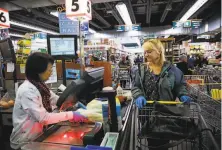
x,y
37,63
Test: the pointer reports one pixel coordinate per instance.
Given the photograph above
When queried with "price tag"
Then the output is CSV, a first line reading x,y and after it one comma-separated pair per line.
x,y
79,8
4,19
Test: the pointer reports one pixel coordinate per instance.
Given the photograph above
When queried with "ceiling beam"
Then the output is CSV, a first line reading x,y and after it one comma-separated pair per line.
x,y
166,10
95,25
130,10
100,18
114,13
148,11
44,15
33,21
156,3
184,10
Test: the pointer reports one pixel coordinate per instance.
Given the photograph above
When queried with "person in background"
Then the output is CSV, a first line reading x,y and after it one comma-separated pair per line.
x,y
126,65
158,80
35,102
200,61
183,65
190,61
137,59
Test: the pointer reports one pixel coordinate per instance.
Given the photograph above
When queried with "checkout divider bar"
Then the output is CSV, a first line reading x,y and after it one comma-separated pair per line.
x,y
124,134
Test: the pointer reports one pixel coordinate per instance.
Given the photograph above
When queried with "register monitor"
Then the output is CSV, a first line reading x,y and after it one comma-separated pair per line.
x,y
62,46
84,88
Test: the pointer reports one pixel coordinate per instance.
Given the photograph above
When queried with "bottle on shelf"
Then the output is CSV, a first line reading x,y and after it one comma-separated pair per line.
x,y
119,90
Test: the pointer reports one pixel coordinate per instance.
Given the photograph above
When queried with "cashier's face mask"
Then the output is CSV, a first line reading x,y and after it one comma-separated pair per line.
x,y
45,75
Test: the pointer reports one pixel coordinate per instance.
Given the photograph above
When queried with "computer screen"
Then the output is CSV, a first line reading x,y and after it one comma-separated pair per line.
x,y
62,45
85,88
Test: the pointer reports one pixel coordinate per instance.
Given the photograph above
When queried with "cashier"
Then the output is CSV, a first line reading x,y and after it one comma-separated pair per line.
x,y
35,103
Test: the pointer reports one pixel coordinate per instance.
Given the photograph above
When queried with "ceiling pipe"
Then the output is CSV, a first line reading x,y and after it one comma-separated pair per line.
x,y
95,25
166,10
114,13
156,3
33,21
100,18
44,15
148,11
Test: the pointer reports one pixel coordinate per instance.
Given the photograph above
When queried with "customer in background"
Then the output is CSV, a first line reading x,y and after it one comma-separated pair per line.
x,y
201,61
124,63
158,80
183,65
190,61
35,102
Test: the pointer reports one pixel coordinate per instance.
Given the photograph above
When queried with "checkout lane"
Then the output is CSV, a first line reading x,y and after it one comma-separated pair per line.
x,y
66,134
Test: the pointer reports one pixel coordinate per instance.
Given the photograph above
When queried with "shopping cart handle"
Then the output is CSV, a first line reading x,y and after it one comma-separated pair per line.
x,y
164,102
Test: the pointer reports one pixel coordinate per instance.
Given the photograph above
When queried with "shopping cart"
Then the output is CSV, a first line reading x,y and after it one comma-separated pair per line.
x,y
205,84
201,139
210,109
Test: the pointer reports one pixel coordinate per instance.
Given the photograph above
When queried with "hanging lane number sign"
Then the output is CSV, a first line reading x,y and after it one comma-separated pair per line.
x,y
4,19
79,8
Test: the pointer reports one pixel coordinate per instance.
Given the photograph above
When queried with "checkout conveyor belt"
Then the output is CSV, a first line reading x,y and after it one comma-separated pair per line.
x,y
60,136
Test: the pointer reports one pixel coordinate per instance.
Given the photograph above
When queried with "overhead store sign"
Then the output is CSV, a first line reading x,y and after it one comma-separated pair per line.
x,y
71,27
134,27
4,19
79,9
196,23
67,26
187,24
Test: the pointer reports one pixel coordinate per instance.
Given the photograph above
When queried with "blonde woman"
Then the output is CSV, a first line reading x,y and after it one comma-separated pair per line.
x,y
158,80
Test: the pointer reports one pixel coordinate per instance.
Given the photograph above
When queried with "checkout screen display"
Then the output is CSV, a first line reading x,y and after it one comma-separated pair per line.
x,y
62,46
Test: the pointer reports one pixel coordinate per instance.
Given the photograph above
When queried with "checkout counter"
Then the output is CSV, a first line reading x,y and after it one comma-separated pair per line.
x,y
65,135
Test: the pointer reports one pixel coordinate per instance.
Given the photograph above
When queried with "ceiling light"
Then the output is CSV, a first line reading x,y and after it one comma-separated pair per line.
x,y
193,9
123,11
16,35
54,13
32,27
92,31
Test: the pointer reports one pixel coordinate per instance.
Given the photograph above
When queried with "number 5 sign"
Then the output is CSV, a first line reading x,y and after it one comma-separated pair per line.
x,y
79,8
4,19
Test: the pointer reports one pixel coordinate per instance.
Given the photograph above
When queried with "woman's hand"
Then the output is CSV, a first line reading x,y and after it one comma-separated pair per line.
x,y
77,117
140,102
185,99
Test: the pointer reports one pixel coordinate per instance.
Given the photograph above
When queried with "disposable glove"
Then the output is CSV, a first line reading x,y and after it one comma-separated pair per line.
x,y
140,102
185,99
77,117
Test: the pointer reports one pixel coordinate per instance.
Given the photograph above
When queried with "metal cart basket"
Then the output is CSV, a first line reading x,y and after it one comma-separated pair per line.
x,y
200,139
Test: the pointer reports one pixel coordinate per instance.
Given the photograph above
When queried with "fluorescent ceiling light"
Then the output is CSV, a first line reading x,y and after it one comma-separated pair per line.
x,y
92,31
55,13
16,35
123,11
193,9
32,27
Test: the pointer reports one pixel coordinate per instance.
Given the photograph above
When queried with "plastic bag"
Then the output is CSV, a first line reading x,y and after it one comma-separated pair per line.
x,y
91,115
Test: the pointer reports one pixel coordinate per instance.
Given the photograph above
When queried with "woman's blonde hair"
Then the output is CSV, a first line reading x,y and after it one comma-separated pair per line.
x,y
155,44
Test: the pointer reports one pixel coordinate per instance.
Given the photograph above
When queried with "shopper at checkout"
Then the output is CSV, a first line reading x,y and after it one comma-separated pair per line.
x,y
35,103
158,80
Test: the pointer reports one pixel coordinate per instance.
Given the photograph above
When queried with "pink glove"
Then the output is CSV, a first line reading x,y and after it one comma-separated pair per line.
x,y
77,117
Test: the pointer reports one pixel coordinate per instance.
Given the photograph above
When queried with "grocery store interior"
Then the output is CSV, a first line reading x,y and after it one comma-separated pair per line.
x,y
110,74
